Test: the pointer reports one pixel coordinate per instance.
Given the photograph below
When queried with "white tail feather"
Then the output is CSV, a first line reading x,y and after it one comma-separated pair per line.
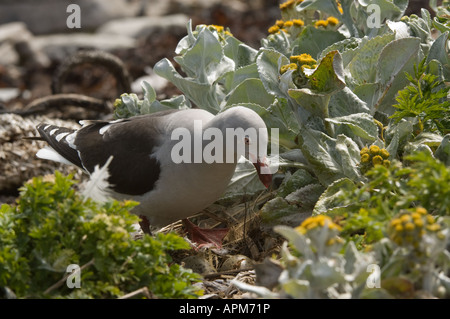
x,y
49,153
97,188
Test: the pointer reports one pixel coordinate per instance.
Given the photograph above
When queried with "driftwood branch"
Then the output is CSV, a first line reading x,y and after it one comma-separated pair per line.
x,y
107,60
58,101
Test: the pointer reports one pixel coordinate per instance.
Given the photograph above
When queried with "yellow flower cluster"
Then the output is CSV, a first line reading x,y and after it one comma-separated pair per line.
x,y
288,67
315,222
220,29
303,61
374,155
281,25
289,4
332,21
408,228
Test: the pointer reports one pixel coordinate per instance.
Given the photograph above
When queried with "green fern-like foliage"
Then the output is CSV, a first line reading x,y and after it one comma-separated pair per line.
x,y
425,99
53,226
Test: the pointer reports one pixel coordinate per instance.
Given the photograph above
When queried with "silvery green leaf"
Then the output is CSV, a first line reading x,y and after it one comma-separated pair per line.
x,y
269,63
292,182
299,241
205,60
149,92
236,77
322,275
328,77
350,157
239,52
245,180
250,91
307,42
278,42
387,10
331,199
396,58
320,151
325,6
369,93
361,124
345,102
342,46
427,138
305,196
443,151
362,66
314,102
187,41
396,135
278,211
296,288
131,101
204,95
440,26
438,51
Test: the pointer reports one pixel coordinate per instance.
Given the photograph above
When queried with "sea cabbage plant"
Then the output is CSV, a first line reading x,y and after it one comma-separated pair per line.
x,y
335,77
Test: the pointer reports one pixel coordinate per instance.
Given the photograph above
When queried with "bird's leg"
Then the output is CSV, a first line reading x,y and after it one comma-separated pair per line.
x,y
205,236
145,224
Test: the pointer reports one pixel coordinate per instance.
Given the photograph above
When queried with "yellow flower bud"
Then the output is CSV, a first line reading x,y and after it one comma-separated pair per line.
x,y
409,226
365,158
405,218
321,23
279,23
384,153
377,160
434,227
421,210
332,21
273,29
364,150
374,150
298,22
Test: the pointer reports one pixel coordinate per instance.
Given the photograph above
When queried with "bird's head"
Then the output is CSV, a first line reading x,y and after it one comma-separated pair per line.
x,y
246,135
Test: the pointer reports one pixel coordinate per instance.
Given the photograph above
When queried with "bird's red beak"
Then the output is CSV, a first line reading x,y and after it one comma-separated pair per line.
x,y
265,178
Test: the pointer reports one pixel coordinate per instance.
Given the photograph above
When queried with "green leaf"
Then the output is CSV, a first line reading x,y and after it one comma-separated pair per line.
x,y
278,211
204,95
205,60
315,103
329,75
269,63
250,91
308,41
362,65
245,181
443,151
345,102
350,157
439,51
320,151
234,78
330,201
361,124
396,58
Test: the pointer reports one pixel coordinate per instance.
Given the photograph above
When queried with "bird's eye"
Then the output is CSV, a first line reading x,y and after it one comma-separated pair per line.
x,y
247,140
